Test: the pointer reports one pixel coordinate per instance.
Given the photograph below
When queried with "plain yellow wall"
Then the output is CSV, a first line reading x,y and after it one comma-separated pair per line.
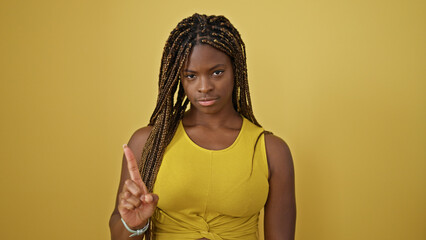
x,y
343,82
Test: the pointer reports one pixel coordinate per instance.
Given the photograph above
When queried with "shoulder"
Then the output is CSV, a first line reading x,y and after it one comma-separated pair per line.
x,y
138,139
279,155
140,135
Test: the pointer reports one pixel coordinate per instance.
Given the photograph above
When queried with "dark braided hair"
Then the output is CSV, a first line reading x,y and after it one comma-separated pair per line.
x,y
217,32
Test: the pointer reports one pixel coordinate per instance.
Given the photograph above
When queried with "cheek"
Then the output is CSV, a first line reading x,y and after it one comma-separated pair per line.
x,y
231,87
187,90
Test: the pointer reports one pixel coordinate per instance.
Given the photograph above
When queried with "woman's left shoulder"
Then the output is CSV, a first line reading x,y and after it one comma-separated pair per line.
x,y
279,155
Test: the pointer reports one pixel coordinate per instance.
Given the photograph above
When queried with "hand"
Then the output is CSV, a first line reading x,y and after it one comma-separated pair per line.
x,y
136,205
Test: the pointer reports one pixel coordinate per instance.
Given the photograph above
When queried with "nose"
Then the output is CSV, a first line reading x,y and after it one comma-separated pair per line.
x,y
205,85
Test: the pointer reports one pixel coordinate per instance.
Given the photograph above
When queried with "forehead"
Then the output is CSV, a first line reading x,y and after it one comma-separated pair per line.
x,y
203,55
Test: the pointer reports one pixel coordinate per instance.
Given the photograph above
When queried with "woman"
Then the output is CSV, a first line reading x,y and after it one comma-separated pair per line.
x,y
205,173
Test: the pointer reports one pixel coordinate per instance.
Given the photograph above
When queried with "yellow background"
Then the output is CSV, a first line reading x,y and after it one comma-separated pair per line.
x,y
343,82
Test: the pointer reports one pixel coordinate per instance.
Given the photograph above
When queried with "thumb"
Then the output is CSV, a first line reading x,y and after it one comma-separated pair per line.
x,y
150,198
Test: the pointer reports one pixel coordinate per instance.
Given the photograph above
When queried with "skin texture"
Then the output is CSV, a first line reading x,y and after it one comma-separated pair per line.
x,y
212,123
208,74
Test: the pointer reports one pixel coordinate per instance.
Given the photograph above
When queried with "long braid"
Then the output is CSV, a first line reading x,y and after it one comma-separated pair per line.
x,y
217,32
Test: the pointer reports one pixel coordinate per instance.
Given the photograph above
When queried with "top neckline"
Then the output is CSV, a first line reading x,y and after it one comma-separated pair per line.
x,y
213,150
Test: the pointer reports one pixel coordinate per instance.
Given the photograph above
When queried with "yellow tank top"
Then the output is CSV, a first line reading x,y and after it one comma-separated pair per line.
x,y
213,194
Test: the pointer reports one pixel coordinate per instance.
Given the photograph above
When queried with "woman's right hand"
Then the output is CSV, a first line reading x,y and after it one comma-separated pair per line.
x,y
135,204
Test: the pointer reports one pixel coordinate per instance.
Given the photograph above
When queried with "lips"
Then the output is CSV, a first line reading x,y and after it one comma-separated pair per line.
x,y
205,102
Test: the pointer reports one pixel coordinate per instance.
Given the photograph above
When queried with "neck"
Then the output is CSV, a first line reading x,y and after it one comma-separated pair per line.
x,y
213,120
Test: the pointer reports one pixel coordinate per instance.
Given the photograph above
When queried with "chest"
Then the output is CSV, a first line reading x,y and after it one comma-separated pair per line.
x,y
198,181
213,139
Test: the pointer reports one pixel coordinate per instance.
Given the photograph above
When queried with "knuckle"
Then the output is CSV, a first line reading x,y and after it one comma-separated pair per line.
x,y
137,192
124,194
127,195
134,200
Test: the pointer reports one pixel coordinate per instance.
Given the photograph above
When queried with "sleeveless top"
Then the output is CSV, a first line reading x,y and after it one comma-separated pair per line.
x,y
213,194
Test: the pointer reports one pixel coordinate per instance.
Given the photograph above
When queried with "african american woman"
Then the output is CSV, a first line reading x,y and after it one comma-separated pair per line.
x,y
206,172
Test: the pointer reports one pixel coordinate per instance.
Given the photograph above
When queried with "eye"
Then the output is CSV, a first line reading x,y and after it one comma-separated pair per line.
x,y
218,72
190,76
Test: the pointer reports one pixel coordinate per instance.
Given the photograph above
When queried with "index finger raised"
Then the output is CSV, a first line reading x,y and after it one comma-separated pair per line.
x,y
132,166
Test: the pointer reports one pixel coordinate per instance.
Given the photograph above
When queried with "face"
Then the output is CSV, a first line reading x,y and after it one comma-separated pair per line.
x,y
208,79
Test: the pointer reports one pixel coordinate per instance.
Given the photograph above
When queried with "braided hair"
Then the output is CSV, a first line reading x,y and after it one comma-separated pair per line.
x,y
216,31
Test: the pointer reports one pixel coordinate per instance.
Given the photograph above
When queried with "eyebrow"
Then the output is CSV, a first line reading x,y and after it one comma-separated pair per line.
x,y
215,66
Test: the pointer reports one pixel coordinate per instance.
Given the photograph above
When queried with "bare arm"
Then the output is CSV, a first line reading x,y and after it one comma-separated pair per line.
x,y
280,208
133,203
